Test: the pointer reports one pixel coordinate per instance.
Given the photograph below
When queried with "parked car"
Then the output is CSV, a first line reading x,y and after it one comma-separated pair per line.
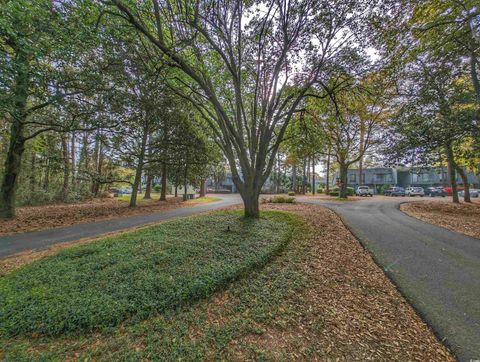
x,y
449,192
414,191
473,193
364,191
395,191
435,191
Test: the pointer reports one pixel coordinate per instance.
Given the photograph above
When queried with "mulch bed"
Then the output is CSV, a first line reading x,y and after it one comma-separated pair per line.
x,y
463,218
31,218
363,315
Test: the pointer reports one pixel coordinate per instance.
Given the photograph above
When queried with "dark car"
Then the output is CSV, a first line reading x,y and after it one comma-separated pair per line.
x,y
395,191
435,191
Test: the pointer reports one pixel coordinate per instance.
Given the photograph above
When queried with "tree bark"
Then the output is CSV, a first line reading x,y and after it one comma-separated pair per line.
x,y
185,194
250,202
73,161
163,194
279,174
304,176
294,178
66,168
343,181
452,175
327,181
148,187
17,141
203,188
313,177
466,186
139,170
33,171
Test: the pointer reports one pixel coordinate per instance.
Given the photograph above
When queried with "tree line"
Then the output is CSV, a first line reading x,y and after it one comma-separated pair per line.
x,y
95,92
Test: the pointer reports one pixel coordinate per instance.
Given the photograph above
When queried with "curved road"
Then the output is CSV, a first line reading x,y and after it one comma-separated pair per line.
x,y
436,269
16,243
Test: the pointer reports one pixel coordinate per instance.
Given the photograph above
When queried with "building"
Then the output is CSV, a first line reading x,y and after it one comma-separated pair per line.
x,y
404,177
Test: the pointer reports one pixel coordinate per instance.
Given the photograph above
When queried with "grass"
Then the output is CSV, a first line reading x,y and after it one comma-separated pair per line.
x,y
154,195
137,275
203,200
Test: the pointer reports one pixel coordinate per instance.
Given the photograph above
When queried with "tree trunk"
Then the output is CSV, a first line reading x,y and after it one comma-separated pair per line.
x,y
73,161
12,169
139,170
250,202
66,169
16,146
163,194
185,194
452,175
176,190
148,187
46,182
203,188
279,174
33,171
466,186
294,178
327,181
304,176
343,181
313,177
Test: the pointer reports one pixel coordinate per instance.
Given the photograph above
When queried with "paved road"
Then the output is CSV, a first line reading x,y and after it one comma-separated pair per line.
x,y
16,243
436,269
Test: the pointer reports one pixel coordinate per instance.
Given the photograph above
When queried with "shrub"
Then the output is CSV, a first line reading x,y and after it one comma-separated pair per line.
x,y
157,188
320,191
384,188
283,199
334,193
291,193
336,190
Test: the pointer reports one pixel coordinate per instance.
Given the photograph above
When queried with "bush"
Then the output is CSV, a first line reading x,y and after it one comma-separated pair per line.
x,y
336,190
320,191
384,188
157,188
283,199
334,193
291,193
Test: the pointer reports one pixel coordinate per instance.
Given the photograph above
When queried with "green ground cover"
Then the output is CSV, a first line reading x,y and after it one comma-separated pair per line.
x,y
135,276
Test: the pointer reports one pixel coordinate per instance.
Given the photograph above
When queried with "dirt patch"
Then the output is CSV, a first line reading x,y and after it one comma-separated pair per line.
x,y
463,218
34,218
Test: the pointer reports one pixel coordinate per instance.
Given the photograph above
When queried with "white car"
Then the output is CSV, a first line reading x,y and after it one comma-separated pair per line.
x,y
364,191
473,193
415,191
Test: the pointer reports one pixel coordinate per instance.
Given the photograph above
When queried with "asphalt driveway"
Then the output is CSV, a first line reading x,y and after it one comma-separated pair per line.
x,y
436,269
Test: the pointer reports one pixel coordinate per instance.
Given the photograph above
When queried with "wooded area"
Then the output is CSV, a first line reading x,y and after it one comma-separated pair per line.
x,y
101,93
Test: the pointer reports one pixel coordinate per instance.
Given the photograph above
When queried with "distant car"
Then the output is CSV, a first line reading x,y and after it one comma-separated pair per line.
x,y
473,193
395,191
364,191
449,190
435,191
415,191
